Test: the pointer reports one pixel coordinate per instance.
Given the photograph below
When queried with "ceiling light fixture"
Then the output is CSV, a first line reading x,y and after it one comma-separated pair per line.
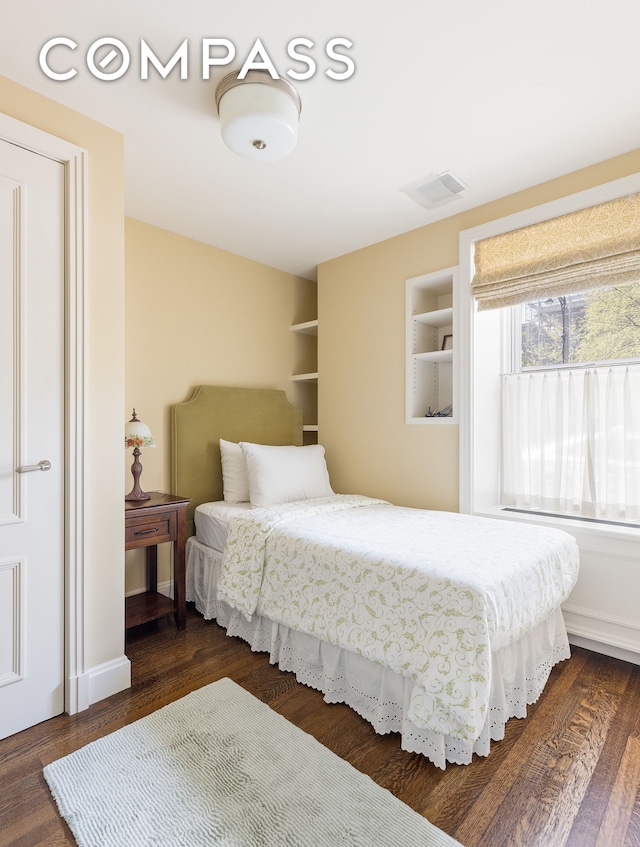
x,y
259,115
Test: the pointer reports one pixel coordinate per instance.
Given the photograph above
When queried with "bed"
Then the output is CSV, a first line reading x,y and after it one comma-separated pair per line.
x,y
435,625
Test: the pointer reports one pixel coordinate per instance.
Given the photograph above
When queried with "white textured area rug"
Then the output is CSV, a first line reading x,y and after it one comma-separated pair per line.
x,y
219,767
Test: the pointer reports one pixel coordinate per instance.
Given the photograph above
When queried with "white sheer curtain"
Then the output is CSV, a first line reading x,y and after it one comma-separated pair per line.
x,y
571,442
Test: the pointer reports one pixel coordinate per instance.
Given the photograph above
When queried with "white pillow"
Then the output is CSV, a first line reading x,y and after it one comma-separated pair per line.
x,y
235,482
284,474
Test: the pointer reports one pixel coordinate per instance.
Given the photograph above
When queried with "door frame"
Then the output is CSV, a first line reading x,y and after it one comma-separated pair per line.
x,y
74,161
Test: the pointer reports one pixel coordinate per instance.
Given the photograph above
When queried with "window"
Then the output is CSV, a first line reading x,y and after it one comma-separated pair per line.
x,y
583,348
571,406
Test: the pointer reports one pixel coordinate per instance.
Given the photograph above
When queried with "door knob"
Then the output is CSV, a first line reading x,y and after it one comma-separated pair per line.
x,y
44,465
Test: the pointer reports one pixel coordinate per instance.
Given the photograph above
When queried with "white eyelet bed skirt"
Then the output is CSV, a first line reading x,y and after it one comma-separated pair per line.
x,y
519,671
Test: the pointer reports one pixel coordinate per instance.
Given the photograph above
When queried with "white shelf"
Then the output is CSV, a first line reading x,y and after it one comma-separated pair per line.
x,y
437,318
438,356
312,377
310,428
307,327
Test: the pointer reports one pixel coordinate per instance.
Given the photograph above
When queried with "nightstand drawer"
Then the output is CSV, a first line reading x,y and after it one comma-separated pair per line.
x,y
141,531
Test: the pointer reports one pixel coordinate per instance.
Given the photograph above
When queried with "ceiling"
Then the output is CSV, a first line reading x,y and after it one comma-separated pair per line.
x,y
504,95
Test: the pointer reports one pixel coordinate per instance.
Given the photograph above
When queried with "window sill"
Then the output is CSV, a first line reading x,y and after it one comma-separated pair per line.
x,y
575,527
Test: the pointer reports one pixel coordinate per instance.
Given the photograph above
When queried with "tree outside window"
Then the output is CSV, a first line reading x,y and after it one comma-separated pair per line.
x,y
588,327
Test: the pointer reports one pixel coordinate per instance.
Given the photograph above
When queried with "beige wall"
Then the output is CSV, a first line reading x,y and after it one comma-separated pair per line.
x,y
361,348
105,365
199,315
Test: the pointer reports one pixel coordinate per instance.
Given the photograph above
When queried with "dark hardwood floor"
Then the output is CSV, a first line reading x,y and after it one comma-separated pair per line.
x,y
567,775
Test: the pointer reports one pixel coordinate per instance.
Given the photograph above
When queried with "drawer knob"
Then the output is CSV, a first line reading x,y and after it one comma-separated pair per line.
x,y
145,531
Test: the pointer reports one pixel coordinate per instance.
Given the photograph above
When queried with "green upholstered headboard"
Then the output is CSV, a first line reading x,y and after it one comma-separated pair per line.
x,y
260,415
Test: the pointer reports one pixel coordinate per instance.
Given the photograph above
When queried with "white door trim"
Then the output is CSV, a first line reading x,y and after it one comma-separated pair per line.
x,y
74,160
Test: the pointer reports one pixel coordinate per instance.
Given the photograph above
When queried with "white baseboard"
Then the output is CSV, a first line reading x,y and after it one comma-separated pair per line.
x,y
107,679
612,635
605,649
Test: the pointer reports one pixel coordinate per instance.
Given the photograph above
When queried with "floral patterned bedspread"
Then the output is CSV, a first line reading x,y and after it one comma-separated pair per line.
x,y
428,594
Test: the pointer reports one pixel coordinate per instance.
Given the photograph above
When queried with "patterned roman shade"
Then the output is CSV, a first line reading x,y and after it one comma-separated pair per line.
x,y
586,249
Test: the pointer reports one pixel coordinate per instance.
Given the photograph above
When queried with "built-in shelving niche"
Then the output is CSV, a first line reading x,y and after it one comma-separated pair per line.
x,y
307,380
430,336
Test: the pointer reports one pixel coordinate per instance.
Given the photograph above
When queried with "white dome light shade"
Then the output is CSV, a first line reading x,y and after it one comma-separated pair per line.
x,y
259,115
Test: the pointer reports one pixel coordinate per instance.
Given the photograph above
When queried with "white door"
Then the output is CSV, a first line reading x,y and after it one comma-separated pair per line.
x,y
31,432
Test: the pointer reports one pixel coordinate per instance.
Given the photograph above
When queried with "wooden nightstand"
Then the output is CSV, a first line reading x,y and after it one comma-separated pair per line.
x,y
147,524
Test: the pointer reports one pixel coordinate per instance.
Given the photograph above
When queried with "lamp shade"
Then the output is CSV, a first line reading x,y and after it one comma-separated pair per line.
x,y
137,434
259,115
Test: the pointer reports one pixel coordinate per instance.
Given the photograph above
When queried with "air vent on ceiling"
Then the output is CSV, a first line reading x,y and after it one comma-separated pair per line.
x,y
435,189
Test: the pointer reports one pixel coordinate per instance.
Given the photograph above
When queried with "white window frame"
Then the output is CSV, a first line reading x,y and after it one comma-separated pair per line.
x,y
482,347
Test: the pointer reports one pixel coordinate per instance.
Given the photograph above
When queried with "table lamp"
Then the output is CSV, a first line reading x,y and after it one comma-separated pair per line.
x,y
137,435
